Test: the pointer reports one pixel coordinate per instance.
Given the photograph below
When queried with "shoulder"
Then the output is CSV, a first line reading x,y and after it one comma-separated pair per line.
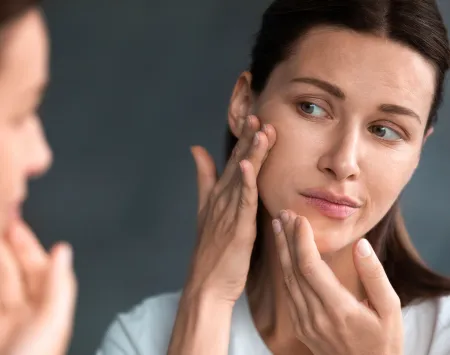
x,y
146,328
427,326
436,310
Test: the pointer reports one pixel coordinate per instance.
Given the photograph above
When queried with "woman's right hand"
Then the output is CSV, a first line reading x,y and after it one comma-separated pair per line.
x,y
227,215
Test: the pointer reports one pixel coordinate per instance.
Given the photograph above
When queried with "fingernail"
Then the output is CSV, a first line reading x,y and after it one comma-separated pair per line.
x,y
284,216
276,226
265,130
256,139
249,121
364,248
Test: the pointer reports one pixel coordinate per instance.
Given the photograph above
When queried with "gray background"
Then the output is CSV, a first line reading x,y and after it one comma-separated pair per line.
x,y
134,84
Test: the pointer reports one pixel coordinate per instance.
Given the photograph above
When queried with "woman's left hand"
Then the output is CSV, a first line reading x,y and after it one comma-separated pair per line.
x,y
327,318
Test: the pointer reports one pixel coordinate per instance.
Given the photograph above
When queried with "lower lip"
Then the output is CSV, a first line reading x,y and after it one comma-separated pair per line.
x,y
330,209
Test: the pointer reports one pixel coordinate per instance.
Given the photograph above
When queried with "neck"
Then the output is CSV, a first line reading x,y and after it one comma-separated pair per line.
x,y
266,293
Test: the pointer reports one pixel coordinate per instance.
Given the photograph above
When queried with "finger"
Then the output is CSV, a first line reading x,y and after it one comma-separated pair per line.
x,y
380,292
258,151
316,272
294,314
241,150
255,157
284,257
270,132
292,232
57,311
248,200
31,257
206,174
11,284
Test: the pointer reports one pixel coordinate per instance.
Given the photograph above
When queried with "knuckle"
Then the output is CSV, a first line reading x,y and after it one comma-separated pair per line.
x,y
237,151
248,199
298,329
319,323
307,268
344,315
376,272
289,280
394,304
307,330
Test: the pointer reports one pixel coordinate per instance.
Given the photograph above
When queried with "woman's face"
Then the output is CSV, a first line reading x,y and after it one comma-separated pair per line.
x,y
23,76
350,112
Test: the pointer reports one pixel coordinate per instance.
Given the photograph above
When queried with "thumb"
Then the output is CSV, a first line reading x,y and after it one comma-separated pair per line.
x,y
206,174
59,298
381,295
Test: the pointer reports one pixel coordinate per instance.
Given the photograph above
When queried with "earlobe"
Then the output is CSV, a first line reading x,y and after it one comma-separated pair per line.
x,y
241,103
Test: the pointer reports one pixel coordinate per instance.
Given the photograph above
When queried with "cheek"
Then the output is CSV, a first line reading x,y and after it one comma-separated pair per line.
x,y
384,180
290,165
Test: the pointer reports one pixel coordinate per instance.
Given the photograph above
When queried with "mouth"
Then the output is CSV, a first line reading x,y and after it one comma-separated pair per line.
x,y
332,205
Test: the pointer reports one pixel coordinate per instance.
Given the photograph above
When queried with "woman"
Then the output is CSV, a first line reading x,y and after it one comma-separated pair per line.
x,y
330,121
37,289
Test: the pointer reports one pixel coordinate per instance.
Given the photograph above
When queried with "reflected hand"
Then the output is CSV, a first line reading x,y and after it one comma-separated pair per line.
x,y
37,295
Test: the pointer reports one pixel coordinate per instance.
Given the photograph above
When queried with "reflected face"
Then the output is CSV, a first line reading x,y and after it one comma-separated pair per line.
x,y
350,112
24,152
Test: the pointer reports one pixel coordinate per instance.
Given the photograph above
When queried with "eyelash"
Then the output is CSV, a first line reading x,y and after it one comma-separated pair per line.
x,y
403,134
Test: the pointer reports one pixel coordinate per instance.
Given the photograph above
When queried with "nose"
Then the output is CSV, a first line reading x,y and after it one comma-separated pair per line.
x,y
40,155
340,161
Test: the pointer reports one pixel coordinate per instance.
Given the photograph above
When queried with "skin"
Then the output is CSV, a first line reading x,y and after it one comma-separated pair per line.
x,y
333,145
37,289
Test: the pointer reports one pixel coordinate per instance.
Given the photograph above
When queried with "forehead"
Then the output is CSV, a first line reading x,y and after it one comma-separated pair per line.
x,y
24,54
363,65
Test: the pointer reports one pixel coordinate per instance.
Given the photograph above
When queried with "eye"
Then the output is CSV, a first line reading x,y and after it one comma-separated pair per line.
x,y
385,133
312,109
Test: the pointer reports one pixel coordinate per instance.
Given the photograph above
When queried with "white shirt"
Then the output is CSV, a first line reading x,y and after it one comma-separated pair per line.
x,y
147,328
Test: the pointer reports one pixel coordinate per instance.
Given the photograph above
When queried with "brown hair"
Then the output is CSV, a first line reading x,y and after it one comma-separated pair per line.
x,y
414,23
11,9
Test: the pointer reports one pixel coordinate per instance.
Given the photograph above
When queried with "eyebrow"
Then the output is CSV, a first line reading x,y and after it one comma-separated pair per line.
x,y
321,84
337,92
399,110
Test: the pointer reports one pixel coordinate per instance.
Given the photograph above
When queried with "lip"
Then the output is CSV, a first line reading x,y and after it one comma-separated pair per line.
x,y
331,204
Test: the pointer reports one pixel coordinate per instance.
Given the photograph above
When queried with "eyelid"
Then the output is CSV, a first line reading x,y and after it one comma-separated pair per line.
x,y
403,133
315,99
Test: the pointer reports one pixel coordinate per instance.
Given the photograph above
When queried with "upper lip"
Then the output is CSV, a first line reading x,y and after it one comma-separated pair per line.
x,y
332,197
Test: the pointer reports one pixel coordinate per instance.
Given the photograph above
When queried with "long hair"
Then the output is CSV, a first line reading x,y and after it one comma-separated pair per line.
x,y
414,23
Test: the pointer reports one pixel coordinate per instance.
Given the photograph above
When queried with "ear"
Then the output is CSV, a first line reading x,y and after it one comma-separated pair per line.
x,y
428,134
240,104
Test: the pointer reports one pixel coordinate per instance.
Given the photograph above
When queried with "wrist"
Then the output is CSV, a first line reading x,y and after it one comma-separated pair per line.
x,y
202,326
206,298
205,303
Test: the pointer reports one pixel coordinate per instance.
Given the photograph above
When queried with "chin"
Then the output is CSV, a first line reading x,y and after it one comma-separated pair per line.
x,y
330,235
330,243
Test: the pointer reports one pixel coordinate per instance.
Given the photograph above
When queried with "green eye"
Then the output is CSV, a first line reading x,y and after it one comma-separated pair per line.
x,y
385,133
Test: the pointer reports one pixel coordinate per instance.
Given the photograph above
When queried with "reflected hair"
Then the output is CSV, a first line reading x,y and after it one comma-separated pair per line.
x,y
11,9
